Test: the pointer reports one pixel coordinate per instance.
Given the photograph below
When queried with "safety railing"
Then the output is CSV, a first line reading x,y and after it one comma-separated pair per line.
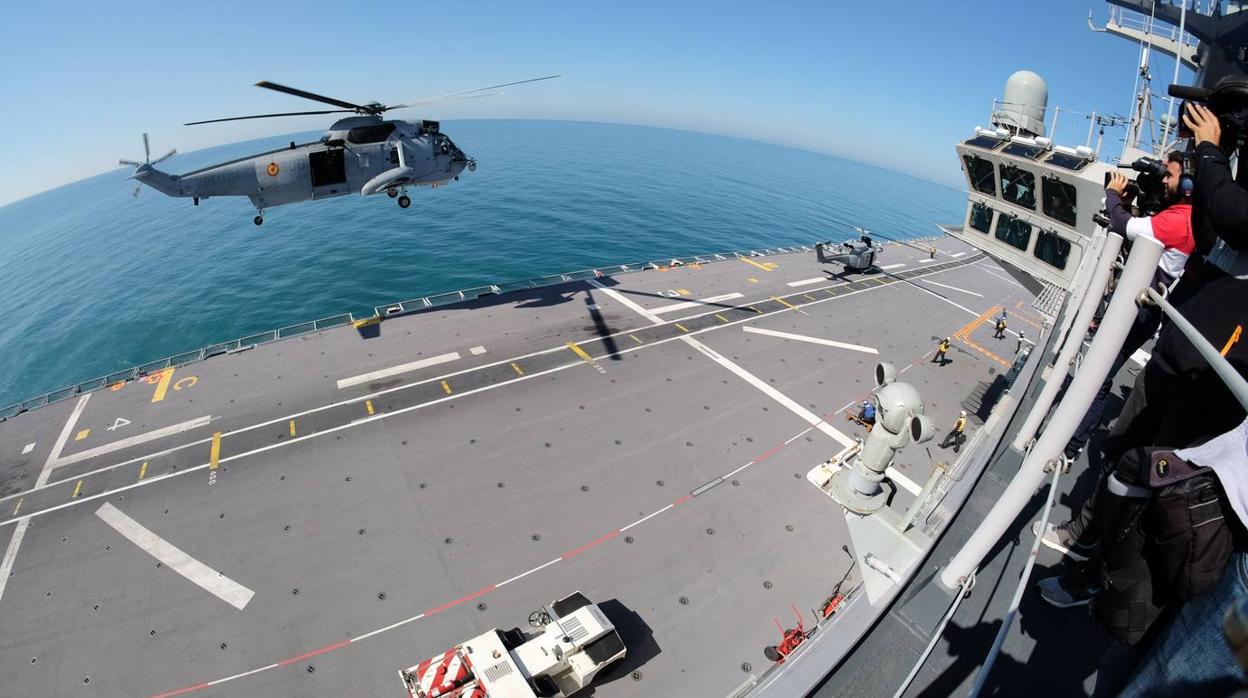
x,y
390,309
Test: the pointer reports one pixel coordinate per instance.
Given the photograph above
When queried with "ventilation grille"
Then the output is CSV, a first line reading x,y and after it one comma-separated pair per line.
x,y
498,671
572,626
1050,300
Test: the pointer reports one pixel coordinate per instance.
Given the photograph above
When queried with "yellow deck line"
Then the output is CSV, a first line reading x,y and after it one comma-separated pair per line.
x,y
447,387
682,327
19,505
368,405
215,453
77,489
143,470
292,427
721,317
162,386
579,352
747,260
636,340
783,302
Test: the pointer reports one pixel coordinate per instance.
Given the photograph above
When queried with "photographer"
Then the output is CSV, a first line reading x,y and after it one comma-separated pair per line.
x,y
1172,227
1220,214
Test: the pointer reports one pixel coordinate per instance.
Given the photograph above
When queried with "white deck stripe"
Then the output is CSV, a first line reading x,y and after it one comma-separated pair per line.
x,y
887,267
19,531
135,440
926,260
171,556
810,417
807,282
694,304
957,254
812,340
396,370
522,575
627,302
955,288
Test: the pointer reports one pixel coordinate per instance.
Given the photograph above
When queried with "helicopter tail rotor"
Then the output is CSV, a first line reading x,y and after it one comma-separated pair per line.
x,y
142,168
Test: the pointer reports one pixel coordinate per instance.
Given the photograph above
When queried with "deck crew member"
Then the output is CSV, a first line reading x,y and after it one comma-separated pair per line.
x,y
867,414
999,332
955,437
941,351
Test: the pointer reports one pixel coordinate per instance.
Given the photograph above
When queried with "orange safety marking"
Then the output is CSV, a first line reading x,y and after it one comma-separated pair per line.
x,y
1239,329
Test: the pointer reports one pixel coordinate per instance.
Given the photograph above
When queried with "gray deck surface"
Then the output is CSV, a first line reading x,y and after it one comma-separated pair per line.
x,y
381,523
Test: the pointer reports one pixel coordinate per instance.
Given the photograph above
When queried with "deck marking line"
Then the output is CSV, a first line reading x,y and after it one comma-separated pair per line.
x,y
798,435
957,254
636,340
365,636
519,371
626,302
645,518
721,317
580,352
706,487
783,302
522,575
396,370
19,531
808,297
476,351
331,430
28,448
747,260
926,260
812,340
446,387
887,267
368,405
292,427
143,470
728,475
592,543
462,599
807,282
955,288
82,434
308,655
681,327
171,556
214,453
681,500
183,690
695,304
243,674
162,386
135,440
77,489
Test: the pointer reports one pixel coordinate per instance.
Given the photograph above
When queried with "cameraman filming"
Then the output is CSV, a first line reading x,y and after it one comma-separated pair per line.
x,y
1172,227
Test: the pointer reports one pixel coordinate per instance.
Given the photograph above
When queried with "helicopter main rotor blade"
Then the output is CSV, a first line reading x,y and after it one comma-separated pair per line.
x,y
440,100
166,156
131,163
308,95
147,149
266,116
429,100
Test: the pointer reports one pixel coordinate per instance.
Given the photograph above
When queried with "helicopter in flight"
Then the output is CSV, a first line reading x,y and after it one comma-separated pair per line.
x,y
362,154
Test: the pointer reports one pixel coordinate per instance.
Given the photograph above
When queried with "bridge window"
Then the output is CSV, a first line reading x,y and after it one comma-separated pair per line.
x,y
1014,232
980,172
370,134
1059,200
1018,186
981,218
1052,248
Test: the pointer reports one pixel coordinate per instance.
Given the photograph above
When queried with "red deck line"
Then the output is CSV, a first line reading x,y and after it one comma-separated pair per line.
x,y
456,602
587,546
773,451
682,500
313,653
181,691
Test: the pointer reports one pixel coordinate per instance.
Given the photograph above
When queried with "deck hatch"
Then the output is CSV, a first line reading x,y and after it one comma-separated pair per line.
x,y
497,671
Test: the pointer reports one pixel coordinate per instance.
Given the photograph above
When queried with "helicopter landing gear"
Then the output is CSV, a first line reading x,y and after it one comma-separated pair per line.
x,y
258,219
404,201
392,192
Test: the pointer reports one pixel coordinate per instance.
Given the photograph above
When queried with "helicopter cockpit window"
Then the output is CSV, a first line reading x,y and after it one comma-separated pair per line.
x,y
1014,232
981,218
980,172
1018,186
1051,248
370,134
1059,200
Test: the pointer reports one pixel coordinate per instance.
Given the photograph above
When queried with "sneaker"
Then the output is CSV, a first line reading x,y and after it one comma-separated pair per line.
x,y
1059,538
1068,590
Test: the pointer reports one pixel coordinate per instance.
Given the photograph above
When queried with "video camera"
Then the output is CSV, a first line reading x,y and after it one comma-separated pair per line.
x,y
1227,99
1149,187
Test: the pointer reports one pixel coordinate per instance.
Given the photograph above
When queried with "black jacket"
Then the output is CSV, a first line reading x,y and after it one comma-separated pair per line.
x,y
1219,204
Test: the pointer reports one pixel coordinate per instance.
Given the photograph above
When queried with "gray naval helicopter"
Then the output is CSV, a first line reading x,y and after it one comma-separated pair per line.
x,y
853,255
358,154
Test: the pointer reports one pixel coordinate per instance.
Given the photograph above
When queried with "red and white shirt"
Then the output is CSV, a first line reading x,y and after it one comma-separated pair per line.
x,y
1171,227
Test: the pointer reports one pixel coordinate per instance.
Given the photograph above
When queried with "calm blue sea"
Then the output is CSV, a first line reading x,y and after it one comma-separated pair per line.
x,y
95,281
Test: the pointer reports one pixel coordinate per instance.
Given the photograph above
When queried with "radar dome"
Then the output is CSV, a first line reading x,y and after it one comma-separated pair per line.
x,y
1022,108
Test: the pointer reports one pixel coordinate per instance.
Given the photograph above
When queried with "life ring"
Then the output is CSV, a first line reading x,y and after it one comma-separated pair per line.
x,y
273,169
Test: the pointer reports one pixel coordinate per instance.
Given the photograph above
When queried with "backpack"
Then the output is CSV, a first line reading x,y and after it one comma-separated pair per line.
x,y
1162,545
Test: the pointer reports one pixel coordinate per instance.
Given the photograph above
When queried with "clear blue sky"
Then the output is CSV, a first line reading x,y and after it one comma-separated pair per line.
x,y
889,83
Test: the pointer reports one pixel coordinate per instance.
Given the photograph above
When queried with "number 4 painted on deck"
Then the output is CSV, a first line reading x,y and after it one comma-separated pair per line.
x,y
121,422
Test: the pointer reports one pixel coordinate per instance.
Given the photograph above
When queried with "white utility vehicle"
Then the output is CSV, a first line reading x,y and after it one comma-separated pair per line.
x,y
572,644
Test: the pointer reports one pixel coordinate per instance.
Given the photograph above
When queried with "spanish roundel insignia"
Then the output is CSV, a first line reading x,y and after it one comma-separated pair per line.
x,y
273,169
